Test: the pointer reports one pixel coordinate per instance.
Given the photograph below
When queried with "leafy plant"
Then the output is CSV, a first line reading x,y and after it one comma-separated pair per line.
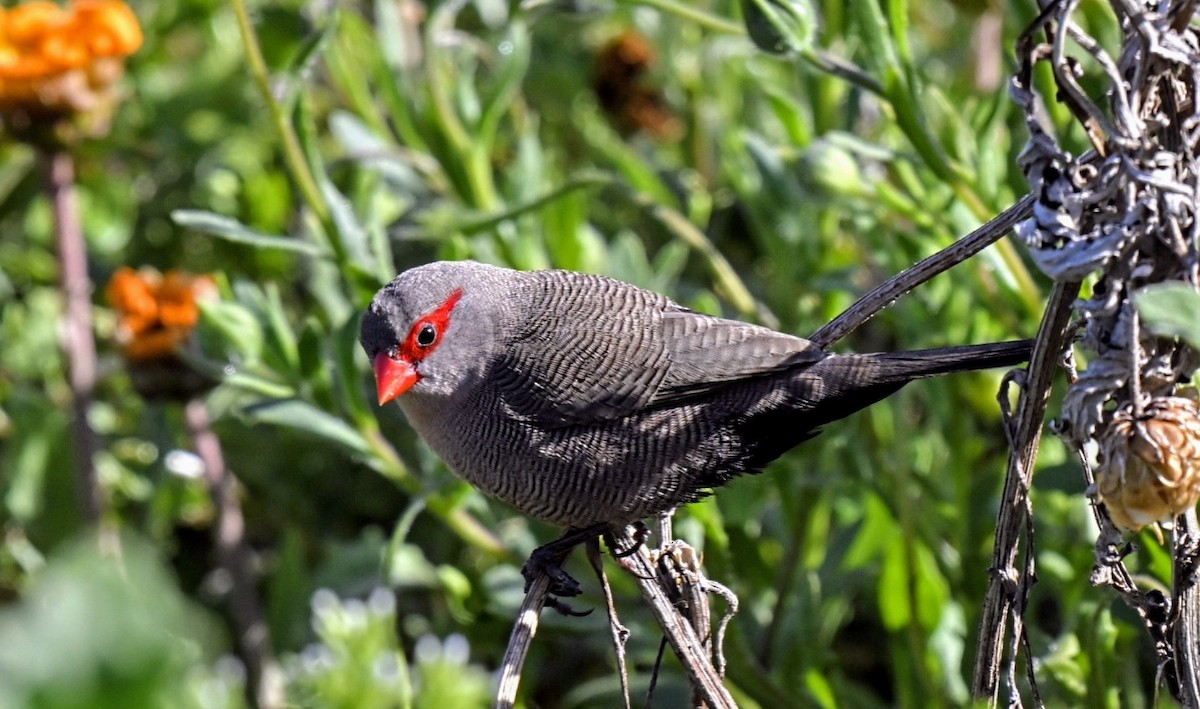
x,y
304,153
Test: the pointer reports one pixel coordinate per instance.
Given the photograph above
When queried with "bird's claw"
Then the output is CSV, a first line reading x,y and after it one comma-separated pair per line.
x,y
549,562
640,534
566,609
548,559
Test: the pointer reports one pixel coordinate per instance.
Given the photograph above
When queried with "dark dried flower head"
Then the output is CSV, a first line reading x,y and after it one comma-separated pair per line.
x,y
621,86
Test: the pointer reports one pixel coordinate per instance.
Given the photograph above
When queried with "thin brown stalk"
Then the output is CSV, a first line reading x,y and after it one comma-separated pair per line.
x,y
78,343
694,652
620,634
265,677
1009,584
887,293
689,647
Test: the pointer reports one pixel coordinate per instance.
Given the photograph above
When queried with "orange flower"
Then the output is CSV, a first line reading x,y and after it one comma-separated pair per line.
x,y
60,60
157,313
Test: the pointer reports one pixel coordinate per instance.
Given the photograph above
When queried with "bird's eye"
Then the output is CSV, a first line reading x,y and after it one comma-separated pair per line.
x,y
427,335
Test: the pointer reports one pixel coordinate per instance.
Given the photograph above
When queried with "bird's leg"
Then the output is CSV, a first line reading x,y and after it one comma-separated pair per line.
x,y
548,558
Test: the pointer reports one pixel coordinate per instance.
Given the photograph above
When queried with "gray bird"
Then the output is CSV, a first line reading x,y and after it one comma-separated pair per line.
x,y
591,403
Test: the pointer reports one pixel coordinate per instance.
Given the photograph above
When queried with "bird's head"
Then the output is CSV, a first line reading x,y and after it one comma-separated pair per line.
x,y
434,327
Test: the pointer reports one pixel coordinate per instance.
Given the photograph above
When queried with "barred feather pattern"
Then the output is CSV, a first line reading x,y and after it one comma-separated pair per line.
x,y
581,400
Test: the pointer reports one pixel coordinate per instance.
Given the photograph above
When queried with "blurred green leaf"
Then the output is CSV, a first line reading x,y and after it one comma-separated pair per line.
x,y
1171,310
1062,665
361,143
310,51
514,51
294,413
232,328
232,230
349,375
873,31
282,335
358,663
350,232
98,630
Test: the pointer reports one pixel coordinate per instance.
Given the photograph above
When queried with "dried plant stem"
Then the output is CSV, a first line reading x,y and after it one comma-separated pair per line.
x,y
1185,629
620,634
78,343
524,629
233,557
1008,584
694,653
689,647
885,294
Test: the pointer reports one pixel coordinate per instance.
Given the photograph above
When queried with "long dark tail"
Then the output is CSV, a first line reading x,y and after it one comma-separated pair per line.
x,y
839,385
899,367
848,383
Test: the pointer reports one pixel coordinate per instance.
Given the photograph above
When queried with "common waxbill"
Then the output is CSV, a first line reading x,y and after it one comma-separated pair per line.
x,y
591,403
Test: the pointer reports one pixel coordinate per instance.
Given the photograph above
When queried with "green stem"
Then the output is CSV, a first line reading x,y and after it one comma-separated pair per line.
x,y
291,144
822,60
489,221
727,280
848,72
700,17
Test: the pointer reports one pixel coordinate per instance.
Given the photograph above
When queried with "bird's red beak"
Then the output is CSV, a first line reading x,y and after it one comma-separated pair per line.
x,y
393,376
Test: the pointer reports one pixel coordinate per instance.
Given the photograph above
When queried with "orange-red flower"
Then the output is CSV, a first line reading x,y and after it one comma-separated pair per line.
x,y
157,312
64,60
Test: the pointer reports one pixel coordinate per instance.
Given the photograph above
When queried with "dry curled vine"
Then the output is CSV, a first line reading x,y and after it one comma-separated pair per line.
x,y
1123,214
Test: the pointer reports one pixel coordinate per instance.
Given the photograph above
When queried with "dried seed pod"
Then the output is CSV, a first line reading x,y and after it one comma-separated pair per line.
x,y
1149,464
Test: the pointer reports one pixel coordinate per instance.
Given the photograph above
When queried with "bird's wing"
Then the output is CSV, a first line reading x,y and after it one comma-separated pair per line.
x,y
595,349
589,349
708,353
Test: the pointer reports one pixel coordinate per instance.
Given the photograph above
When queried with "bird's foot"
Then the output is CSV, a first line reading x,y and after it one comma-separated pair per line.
x,y
565,608
548,559
549,562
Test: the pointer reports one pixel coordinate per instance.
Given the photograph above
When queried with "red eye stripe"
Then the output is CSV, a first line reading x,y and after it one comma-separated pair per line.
x,y
440,319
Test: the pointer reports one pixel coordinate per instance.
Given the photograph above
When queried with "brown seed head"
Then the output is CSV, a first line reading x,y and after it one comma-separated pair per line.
x,y
1149,465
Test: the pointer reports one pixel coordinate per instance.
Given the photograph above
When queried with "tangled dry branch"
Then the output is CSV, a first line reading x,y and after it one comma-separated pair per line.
x,y
1120,216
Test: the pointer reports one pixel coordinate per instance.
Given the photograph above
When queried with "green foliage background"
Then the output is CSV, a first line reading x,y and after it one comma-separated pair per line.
x,y
860,559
